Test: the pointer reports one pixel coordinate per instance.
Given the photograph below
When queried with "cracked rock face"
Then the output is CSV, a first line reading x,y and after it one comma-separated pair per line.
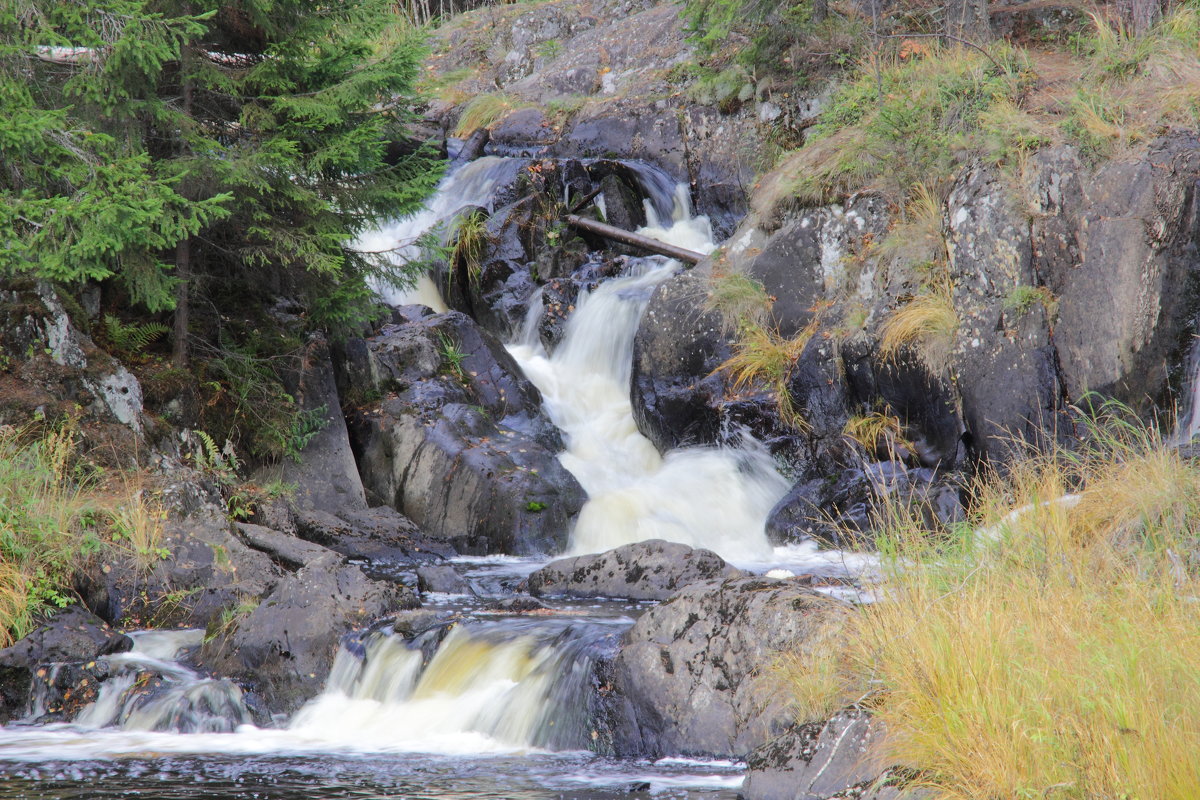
x,y
693,677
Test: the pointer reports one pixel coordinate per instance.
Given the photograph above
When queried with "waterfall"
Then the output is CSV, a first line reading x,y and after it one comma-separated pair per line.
x,y
485,688
713,497
180,701
1187,424
474,184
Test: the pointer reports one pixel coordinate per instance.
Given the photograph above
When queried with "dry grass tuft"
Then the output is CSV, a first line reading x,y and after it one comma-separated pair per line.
x,y
926,324
484,111
1053,650
878,433
763,358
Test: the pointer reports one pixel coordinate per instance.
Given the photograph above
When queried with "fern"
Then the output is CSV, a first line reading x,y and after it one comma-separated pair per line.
x,y
131,339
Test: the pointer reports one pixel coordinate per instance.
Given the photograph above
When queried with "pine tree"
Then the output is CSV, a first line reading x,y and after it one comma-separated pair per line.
x,y
187,145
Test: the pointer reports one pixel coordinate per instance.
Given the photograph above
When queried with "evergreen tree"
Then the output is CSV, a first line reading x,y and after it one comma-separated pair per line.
x,y
181,145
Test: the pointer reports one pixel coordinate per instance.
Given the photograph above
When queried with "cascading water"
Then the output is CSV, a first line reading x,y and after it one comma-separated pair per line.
x,y
493,706
474,184
486,688
710,497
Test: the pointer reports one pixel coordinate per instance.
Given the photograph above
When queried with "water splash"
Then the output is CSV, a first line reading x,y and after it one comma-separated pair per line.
x,y
484,689
713,497
474,184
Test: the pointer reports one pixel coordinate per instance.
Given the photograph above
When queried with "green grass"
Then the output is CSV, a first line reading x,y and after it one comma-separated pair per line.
x,y
901,122
739,299
1056,653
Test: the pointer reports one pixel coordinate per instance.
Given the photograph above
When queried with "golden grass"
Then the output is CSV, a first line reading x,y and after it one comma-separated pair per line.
x,y
1134,87
877,433
52,521
926,324
484,111
762,357
1056,652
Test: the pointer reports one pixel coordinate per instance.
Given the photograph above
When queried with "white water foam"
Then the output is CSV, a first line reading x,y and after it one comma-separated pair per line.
x,y
713,497
474,184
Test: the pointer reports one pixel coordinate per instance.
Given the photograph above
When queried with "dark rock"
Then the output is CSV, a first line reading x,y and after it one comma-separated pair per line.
x,y
678,345
326,475
385,539
842,510
926,405
804,765
519,604
692,677
1003,357
209,570
461,444
1124,270
288,552
283,650
70,635
650,570
443,579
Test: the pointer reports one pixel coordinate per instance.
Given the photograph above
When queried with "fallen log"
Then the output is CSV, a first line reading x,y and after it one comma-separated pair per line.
x,y
634,239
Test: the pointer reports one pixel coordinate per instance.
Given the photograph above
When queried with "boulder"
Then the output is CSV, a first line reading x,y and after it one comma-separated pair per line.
x,y
282,651
814,762
326,475
693,677
460,443
650,570
444,579
70,635
209,570
679,343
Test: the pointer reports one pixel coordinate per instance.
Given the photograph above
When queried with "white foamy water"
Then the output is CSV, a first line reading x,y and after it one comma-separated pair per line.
x,y
474,184
713,497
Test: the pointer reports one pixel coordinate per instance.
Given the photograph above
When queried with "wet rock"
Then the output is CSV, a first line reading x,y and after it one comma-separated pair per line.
x,y
679,343
814,762
650,570
444,579
70,635
516,605
460,443
207,569
386,540
282,650
926,405
693,678
842,510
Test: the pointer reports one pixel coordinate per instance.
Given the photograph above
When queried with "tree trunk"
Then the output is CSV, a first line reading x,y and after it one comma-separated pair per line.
x,y
183,256
1145,13
820,10
968,19
183,273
